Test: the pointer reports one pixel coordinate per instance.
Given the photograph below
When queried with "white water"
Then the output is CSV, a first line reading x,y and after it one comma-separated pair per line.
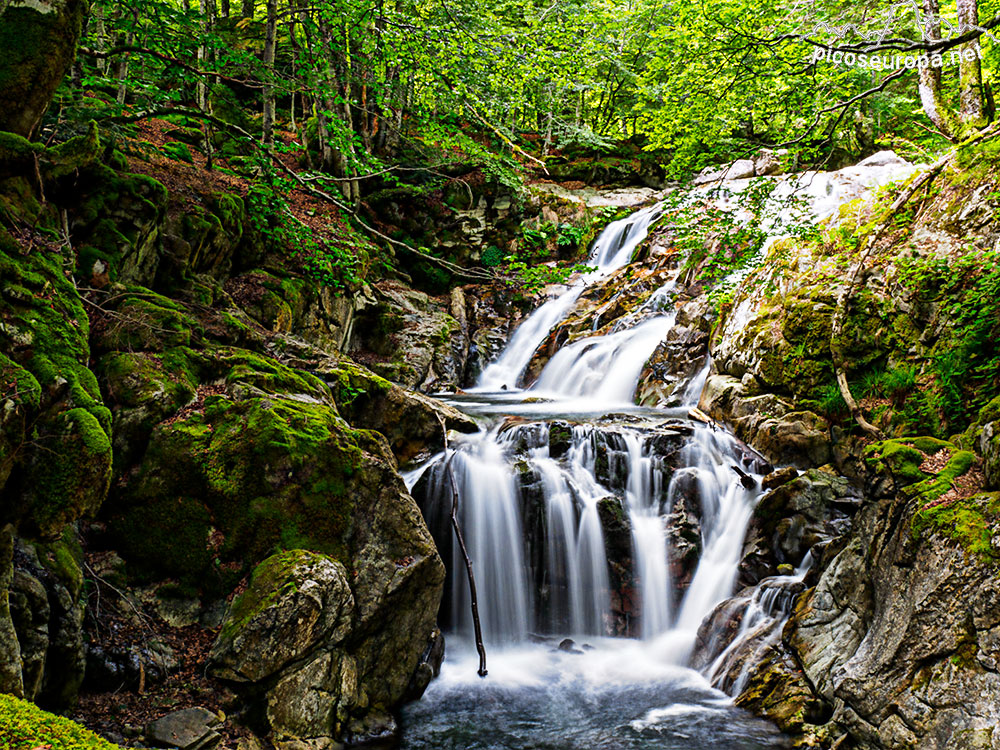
x,y
532,520
612,249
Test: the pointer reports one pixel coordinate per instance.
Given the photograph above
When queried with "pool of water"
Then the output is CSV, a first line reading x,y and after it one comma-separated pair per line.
x,y
608,694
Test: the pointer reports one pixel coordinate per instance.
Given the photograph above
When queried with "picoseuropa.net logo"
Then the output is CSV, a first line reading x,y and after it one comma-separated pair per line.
x,y
865,45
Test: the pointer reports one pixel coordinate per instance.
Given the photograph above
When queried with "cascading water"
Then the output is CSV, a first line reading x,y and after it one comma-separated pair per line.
x,y
612,249
568,523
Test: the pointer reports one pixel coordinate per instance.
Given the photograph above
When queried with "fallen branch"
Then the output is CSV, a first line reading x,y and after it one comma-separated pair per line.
x,y
465,553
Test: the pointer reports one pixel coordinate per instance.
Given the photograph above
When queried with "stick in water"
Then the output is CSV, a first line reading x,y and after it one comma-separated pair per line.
x,y
465,553
468,567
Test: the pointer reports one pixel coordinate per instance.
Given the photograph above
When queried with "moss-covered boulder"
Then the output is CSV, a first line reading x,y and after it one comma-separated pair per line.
x,y
55,450
409,420
242,474
296,603
39,40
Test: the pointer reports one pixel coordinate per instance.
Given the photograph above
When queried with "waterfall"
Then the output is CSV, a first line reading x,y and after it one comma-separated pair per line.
x,y
601,519
612,249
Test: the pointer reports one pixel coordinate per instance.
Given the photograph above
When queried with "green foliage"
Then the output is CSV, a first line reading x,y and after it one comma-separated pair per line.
x,y
491,256
530,279
966,362
723,234
338,266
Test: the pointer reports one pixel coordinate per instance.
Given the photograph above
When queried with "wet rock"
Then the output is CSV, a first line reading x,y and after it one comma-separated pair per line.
x,y
187,729
779,477
769,423
47,612
294,602
617,532
409,420
737,170
673,364
569,646
769,161
11,680
804,511
683,525
115,668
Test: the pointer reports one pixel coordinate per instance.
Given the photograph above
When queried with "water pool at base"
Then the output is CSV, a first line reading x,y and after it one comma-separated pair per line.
x,y
617,694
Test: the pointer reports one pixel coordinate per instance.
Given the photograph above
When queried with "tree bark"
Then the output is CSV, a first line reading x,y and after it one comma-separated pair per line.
x,y
270,43
38,39
247,10
969,71
929,77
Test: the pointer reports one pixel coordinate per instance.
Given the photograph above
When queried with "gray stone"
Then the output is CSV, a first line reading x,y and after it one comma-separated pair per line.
x,y
187,729
989,449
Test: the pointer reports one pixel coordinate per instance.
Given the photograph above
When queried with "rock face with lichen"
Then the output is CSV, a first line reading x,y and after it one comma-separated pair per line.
x,y
39,40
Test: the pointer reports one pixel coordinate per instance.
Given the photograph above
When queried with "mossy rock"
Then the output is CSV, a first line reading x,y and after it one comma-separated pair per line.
x,y
116,225
39,43
902,457
295,601
55,435
970,522
24,726
177,151
262,474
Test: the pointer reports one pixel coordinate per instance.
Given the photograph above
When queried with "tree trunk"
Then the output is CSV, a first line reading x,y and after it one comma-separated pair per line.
x,y
270,42
224,8
929,77
969,71
247,9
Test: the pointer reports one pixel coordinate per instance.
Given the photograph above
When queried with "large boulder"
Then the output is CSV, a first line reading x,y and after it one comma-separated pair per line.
x,y
897,640
331,666
39,39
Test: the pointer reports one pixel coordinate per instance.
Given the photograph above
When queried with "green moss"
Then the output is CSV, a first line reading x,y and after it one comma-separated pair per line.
x,y
65,457
72,479
24,726
267,374
178,151
270,581
265,473
990,412
64,559
969,522
933,487
73,154
902,457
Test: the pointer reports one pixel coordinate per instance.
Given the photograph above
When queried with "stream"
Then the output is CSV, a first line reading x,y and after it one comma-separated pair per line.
x,y
569,499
